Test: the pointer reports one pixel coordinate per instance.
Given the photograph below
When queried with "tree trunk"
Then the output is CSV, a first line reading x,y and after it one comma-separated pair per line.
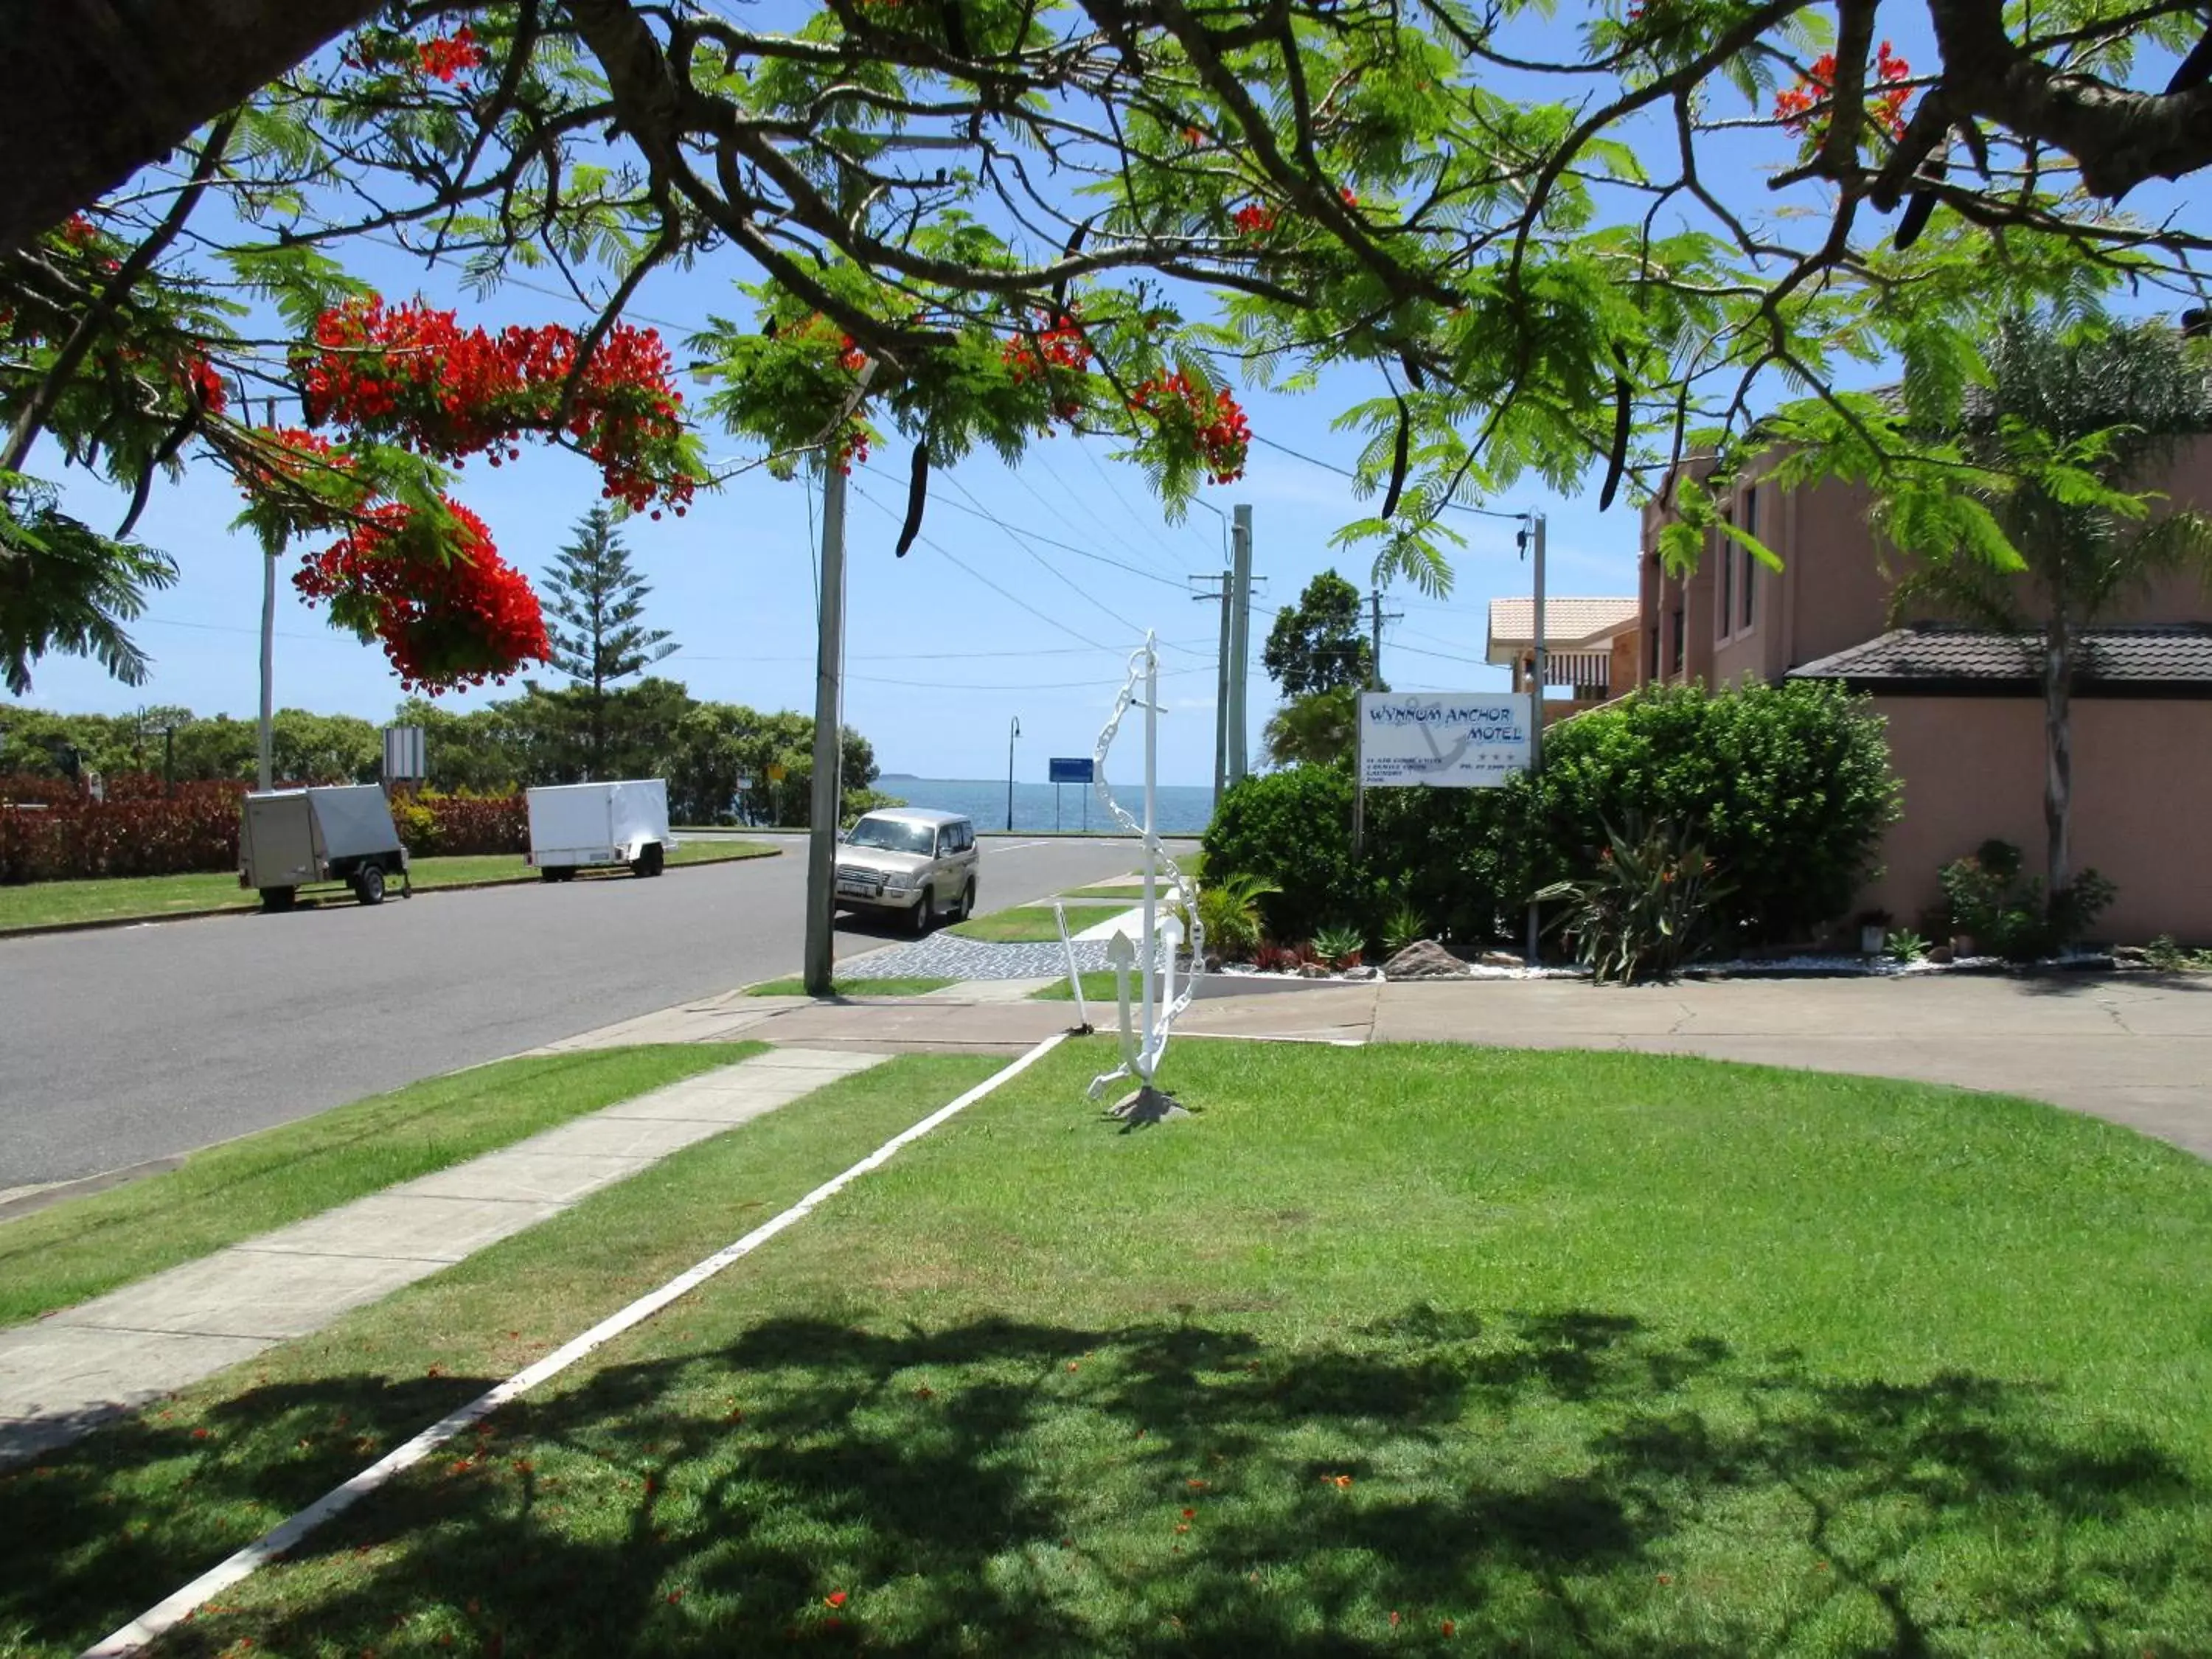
x,y
92,90
2058,758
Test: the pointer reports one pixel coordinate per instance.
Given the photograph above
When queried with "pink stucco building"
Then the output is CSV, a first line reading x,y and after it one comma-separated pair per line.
x,y
1965,716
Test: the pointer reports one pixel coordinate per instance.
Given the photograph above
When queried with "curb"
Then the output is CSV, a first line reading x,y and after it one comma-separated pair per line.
x,y
45,928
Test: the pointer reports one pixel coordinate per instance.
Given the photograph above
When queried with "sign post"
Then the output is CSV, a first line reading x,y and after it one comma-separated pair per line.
x,y
1063,769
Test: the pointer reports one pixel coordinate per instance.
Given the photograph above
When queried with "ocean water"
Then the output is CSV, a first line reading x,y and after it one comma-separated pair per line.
x,y
1179,809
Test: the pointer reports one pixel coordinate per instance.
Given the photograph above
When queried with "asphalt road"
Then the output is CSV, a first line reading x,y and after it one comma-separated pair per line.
x,y
135,1044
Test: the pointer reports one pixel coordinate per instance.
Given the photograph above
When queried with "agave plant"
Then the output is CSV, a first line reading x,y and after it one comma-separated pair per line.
x,y
1339,947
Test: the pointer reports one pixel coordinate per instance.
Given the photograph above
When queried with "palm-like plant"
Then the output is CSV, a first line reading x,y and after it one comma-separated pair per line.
x,y
65,587
2064,434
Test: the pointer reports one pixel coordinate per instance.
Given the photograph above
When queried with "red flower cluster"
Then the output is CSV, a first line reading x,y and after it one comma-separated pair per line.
x,y
1057,347
1215,429
448,616
443,57
413,374
852,447
1254,219
198,375
1796,107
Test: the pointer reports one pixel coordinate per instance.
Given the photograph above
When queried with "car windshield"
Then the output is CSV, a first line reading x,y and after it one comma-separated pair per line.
x,y
893,836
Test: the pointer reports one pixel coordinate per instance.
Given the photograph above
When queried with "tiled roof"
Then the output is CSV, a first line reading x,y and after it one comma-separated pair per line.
x,y
1943,655
1568,623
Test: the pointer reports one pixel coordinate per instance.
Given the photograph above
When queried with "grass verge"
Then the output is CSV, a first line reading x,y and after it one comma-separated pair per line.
x,y
118,1520
123,898
57,1257
852,987
1400,1348
1027,924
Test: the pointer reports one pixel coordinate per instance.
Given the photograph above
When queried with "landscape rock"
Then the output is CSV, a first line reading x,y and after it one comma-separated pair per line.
x,y
1941,955
1426,960
1502,959
1313,971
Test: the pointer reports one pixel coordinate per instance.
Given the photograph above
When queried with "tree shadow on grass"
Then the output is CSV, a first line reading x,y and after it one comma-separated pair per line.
x,y
1556,1482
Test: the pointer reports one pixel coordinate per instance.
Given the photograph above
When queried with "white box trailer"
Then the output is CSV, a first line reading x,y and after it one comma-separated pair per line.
x,y
289,837
578,826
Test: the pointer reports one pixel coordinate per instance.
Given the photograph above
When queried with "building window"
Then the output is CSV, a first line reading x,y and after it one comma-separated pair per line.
x,y
1728,588
1750,564
1679,614
1655,652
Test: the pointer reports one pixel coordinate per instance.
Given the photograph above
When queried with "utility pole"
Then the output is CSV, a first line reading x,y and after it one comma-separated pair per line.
x,y
829,734
1013,731
1532,538
1219,596
1240,638
1376,621
266,747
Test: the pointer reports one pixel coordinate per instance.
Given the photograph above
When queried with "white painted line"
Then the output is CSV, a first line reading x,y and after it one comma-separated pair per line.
x,y
164,1615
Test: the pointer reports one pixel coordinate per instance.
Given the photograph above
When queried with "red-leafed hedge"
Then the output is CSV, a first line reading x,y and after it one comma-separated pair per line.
x,y
431,824
56,832
52,830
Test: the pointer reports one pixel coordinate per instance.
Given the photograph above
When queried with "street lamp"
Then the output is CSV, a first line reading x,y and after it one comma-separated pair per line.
x,y
1013,731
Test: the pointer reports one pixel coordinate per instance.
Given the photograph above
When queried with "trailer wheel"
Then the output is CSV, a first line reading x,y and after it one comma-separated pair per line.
x,y
548,874
368,884
649,859
278,898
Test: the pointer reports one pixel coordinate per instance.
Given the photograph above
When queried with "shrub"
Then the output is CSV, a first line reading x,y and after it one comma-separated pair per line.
x,y
1647,909
432,825
1790,786
1229,908
51,832
2005,912
1292,831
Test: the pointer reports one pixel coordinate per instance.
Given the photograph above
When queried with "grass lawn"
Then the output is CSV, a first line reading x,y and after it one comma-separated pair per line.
x,y
1097,990
55,1257
45,903
1395,1349
852,987
1027,924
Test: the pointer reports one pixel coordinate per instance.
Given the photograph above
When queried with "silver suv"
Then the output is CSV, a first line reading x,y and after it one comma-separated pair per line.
x,y
906,862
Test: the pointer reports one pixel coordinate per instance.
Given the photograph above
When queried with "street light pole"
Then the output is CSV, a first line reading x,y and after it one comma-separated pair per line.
x,y
1013,731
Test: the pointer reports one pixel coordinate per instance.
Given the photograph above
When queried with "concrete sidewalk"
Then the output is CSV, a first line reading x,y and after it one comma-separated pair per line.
x,y
62,1375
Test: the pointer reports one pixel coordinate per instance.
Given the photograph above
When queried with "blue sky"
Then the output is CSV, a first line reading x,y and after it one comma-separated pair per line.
x,y
940,657
975,627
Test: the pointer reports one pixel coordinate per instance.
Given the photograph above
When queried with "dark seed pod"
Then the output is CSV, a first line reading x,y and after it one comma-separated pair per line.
x,y
917,494
1398,459
1617,463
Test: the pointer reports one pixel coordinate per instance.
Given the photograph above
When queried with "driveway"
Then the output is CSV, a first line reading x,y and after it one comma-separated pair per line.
x,y
2135,1049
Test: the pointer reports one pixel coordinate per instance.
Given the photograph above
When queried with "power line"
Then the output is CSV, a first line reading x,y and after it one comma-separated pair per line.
x,y
961,565
976,510
1050,568
1346,472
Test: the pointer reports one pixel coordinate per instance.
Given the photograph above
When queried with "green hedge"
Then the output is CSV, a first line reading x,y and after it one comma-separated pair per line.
x,y
1790,785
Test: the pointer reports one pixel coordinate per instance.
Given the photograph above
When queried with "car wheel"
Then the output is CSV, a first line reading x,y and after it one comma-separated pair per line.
x,y
368,884
925,912
968,902
278,898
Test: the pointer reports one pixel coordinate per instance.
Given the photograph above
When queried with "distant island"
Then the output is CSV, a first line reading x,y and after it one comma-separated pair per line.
x,y
898,777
